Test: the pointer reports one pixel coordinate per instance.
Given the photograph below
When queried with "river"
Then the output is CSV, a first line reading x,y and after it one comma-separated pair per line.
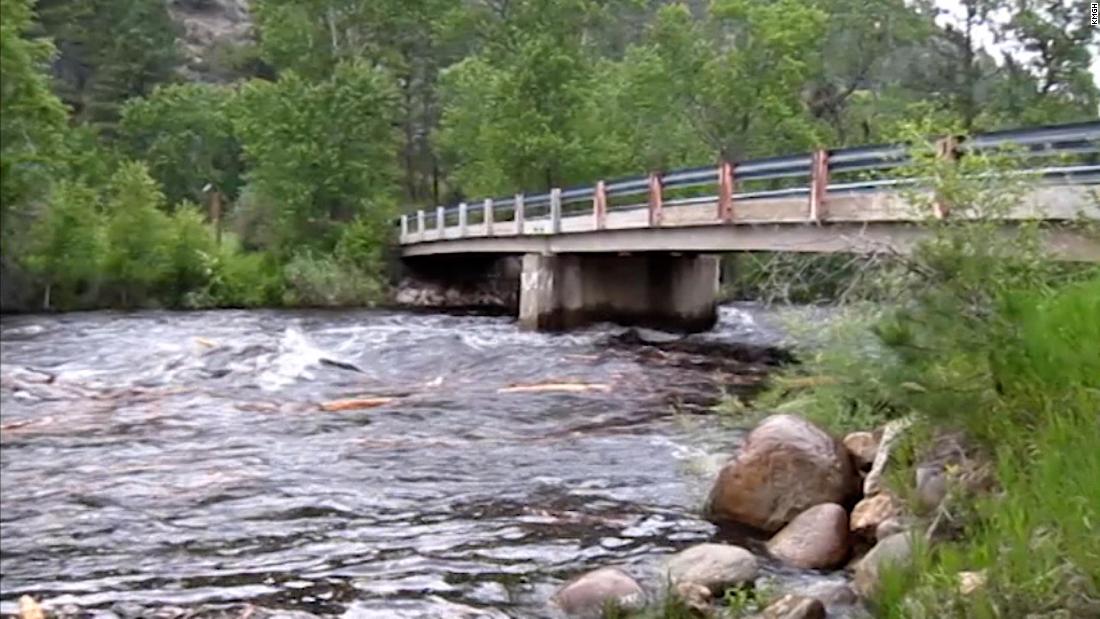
x,y
179,464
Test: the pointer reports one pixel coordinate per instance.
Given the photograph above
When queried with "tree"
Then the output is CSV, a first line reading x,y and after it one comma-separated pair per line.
x,y
138,234
403,36
110,50
728,87
32,119
513,111
66,242
185,135
856,87
323,152
1053,82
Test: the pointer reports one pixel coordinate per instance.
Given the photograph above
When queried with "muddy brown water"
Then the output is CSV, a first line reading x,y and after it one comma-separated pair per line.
x,y
178,464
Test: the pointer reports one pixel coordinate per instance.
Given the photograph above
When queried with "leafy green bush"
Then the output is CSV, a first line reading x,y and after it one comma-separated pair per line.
x,y
1037,540
66,244
139,235
237,279
323,281
191,241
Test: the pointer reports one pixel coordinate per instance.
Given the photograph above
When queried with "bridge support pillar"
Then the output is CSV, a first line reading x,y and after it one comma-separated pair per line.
x,y
665,291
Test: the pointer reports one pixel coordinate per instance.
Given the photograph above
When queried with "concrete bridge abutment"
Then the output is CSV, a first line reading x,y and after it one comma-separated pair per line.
x,y
676,292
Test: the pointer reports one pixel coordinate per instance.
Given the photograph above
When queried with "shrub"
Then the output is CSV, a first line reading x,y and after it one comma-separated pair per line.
x,y
138,234
191,242
323,281
237,279
66,244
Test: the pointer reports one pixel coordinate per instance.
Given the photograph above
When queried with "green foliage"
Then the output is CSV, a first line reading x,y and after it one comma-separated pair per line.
x,y
513,116
1036,540
237,279
323,151
370,103
324,281
138,235
190,243
32,124
66,244
110,50
184,134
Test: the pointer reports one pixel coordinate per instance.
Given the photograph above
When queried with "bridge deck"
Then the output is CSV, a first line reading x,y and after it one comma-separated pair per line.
x,y
852,221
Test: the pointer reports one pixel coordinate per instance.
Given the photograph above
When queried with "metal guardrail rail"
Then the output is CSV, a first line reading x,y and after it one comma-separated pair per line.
x,y
1076,145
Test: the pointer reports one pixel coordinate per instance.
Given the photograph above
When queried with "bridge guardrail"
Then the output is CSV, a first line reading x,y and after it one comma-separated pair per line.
x,y
1068,141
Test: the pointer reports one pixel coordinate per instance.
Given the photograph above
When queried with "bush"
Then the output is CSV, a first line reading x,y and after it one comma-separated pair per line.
x,y
138,235
1038,539
66,244
323,281
237,279
191,242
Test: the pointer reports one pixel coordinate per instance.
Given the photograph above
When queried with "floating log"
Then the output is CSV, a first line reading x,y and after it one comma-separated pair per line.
x,y
556,387
351,404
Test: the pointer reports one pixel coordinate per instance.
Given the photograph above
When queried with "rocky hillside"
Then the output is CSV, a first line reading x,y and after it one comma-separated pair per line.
x,y
217,37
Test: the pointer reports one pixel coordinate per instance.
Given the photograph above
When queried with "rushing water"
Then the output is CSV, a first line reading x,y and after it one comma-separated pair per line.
x,y
161,464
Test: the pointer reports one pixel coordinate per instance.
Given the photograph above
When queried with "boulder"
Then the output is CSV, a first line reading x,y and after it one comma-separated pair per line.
x,y
869,513
931,486
589,594
891,433
714,566
894,550
862,446
831,593
889,527
786,466
793,606
816,539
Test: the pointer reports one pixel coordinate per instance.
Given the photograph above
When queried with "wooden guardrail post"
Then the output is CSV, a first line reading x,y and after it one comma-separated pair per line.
x,y
656,200
440,221
488,217
555,210
404,226
518,208
420,224
819,184
463,214
947,149
599,205
725,192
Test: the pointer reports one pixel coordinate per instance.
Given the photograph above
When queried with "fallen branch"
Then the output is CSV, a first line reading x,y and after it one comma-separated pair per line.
x,y
355,403
558,387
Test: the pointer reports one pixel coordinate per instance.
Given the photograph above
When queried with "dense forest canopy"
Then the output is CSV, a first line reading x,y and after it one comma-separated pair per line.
x,y
336,114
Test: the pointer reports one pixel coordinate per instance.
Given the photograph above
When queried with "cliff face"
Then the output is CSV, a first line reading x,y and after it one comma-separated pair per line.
x,y
217,37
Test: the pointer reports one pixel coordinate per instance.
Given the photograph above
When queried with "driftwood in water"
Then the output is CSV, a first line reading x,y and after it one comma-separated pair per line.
x,y
356,403
556,387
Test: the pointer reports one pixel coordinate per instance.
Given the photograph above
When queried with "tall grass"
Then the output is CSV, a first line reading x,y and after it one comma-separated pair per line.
x,y
1036,539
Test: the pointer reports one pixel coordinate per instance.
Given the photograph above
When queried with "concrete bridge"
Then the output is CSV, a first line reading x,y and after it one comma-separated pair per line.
x,y
644,250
